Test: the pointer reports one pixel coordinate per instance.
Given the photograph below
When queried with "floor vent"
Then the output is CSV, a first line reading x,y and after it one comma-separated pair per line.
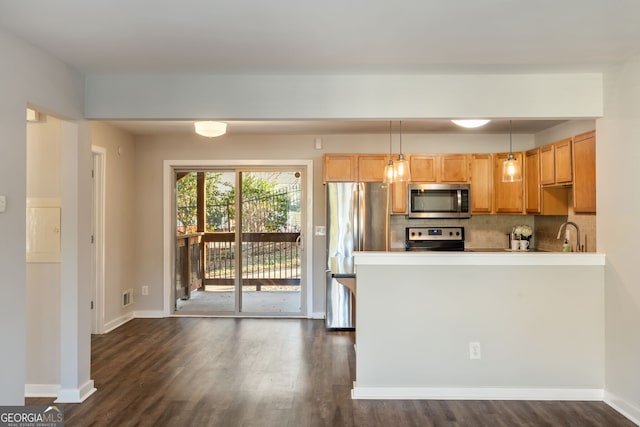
x,y
127,297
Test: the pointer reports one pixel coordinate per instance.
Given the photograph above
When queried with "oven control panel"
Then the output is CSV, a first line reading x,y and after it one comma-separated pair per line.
x,y
416,234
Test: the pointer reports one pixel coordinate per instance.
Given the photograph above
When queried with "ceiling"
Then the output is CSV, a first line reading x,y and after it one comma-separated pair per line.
x,y
333,36
330,37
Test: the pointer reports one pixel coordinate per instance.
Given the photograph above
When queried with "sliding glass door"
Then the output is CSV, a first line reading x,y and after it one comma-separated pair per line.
x,y
239,241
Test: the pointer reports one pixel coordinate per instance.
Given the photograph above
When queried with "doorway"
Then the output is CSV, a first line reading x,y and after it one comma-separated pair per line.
x,y
238,240
97,238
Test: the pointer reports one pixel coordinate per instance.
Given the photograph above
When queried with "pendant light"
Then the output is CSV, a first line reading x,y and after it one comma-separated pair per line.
x,y
511,169
401,170
387,178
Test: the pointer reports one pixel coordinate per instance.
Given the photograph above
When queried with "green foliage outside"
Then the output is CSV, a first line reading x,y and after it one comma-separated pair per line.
x,y
265,208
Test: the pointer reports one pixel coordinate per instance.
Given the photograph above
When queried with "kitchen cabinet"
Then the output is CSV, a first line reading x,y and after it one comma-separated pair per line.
x,y
399,198
532,202
354,167
449,168
424,168
371,167
481,180
584,178
454,168
340,167
507,196
556,163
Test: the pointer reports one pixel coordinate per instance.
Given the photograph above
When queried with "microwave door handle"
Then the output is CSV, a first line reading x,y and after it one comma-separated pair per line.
x,y
459,208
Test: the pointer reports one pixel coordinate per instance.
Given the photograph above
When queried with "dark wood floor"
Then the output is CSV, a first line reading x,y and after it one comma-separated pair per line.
x,y
269,372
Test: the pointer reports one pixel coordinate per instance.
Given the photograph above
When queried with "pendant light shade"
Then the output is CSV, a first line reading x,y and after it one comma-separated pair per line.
x,y
210,129
401,170
511,168
388,173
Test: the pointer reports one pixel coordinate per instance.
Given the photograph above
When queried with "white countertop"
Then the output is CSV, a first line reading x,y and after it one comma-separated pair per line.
x,y
478,258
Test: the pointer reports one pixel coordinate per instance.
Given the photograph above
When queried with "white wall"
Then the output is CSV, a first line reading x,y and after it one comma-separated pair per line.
x,y
618,199
343,96
44,141
29,76
120,220
540,329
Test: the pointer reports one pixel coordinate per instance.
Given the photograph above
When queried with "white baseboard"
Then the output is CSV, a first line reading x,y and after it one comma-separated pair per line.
x,y
76,395
116,323
625,408
473,393
41,390
148,314
317,315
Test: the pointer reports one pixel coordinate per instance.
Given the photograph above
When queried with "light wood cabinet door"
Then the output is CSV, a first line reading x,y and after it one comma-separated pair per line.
x,y
481,183
371,167
424,168
563,162
532,181
399,198
507,196
547,165
340,167
454,168
584,179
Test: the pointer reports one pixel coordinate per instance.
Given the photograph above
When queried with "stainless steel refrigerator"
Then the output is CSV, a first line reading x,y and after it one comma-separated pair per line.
x,y
357,220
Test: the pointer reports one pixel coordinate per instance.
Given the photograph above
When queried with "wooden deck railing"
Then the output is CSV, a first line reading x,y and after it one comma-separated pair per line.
x,y
189,271
268,259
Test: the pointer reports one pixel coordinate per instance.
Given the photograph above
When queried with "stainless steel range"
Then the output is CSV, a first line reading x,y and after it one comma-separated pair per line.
x,y
434,239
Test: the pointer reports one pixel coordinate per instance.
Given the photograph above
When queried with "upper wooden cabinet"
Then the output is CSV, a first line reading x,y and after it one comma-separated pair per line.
x,y
453,168
371,167
481,183
340,167
424,168
532,182
556,163
354,167
507,196
584,179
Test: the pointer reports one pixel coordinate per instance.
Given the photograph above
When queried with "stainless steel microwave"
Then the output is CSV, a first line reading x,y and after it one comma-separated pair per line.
x,y
439,201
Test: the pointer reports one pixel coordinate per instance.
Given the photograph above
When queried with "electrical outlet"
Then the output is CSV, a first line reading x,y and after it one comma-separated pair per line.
x,y
474,350
145,290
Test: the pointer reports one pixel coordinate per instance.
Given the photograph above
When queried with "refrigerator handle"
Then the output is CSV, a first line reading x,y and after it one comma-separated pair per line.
x,y
358,221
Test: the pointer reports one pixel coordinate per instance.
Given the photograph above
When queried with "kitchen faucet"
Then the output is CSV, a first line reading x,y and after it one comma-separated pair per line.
x,y
564,224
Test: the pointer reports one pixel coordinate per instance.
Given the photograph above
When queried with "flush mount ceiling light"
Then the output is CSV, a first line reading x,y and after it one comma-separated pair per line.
x,y
210,129
471,123
511,168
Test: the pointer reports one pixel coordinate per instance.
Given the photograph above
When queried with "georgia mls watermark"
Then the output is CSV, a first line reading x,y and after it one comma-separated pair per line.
x,y
31,416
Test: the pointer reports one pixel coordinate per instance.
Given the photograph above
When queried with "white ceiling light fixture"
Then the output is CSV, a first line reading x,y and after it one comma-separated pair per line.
x,y
476,123
210,129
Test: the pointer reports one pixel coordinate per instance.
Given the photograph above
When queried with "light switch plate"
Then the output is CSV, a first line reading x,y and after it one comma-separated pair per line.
x,y
3,203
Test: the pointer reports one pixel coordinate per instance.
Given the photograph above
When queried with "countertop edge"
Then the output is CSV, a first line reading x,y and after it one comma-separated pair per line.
x,y
479,258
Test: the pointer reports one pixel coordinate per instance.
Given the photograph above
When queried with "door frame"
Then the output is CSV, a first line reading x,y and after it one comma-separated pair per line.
x,y
99,155
168,221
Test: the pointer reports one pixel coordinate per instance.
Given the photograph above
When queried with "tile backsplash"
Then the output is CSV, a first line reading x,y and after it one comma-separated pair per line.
x,y
490,231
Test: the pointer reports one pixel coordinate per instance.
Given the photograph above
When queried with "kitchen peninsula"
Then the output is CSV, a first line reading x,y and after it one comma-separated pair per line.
x,y
461,325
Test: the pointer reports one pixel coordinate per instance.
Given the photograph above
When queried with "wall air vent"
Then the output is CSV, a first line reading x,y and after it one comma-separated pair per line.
x,y
127,297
